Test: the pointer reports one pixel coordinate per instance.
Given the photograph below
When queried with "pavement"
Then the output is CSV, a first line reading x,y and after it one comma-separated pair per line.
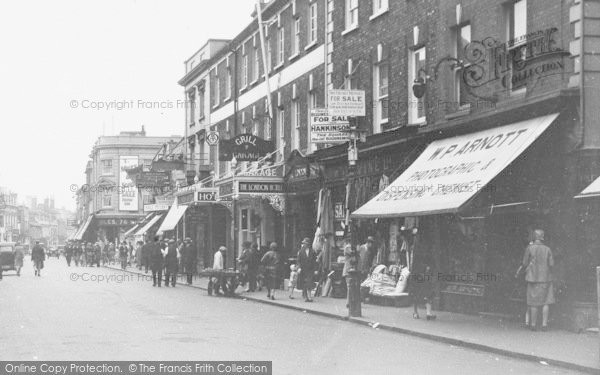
x,y
86,314
487,334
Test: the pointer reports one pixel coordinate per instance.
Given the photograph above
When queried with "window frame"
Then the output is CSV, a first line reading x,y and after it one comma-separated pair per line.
x,y
244,71
380,7
280,46
351,15
313,24
110,170
413,111
511,36
296,38
458,69
379,120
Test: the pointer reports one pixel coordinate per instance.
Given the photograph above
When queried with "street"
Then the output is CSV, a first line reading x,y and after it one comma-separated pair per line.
x,y
67,314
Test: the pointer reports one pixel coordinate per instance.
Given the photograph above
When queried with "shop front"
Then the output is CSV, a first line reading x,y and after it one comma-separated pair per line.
x,y
473,201
112,227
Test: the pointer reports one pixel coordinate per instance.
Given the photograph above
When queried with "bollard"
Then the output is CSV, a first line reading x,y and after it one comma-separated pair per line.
x,y
354,308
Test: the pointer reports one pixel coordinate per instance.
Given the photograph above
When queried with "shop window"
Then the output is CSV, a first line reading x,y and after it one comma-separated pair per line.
x,y
416,106
147,199
462,39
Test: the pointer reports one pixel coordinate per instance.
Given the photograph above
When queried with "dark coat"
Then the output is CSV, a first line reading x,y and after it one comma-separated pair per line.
x,y
155,257
188,257
37,254
308,266
171,263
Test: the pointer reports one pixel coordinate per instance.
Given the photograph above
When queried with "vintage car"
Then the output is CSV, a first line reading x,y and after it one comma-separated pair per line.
x,y
7,256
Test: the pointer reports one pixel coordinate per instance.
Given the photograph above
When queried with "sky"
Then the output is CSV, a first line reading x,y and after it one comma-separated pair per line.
x,y
60,61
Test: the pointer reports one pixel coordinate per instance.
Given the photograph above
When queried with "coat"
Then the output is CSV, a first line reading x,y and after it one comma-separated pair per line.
x,y
37,254
188,256
171,263
272,262
19,257
538,261
155,257
218,261
308,266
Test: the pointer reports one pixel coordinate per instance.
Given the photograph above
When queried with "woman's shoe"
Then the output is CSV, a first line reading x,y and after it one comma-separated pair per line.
x,y
415,316
431,317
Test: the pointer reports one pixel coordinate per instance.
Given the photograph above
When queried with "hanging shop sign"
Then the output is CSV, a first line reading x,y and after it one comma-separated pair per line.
x,y
258,187
207,195
167,165
212,138
346,102
328,128
128,192
226,191
244,147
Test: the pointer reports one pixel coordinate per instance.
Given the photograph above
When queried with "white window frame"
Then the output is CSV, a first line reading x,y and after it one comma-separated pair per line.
x,y
201,98
313,24
378,119
413,104
280,127
458,70
269,56
311,103
256,68
516,10
244,71
296,124
281,46
105,171
351,15
296,38
228,85
380,7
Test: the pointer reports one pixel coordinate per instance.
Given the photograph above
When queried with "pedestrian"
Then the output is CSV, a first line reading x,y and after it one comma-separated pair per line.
x,y
259,251
129,254
146,249
69,253
171,263
366,254
97,254
77,253
37,257
307,262
271,261
421,281
188,259
252,263
538,262
123,255
219,266
244,261
112,252
19,255
351,258
155,258
293,283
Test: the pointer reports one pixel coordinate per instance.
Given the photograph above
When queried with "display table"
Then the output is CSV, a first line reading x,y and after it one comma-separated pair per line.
x,y
229,277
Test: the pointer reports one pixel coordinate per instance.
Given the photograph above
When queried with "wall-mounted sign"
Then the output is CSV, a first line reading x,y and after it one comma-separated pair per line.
x,y
116,222
186,198
226,191
346,102
260,187
152,179
155,207
128,192
244,147
339,211
207,195
327,128
212,138
264,171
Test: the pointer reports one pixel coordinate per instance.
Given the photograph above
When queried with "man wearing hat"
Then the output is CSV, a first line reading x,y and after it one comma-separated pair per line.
x,y
171,263
307,260
366,253
188,259
155,259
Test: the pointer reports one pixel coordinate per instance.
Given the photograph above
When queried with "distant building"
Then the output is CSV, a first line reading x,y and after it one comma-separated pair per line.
x,y
9,214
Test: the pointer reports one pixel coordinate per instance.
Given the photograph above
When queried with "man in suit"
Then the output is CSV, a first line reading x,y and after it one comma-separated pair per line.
x,y
307,260
156,262
38,256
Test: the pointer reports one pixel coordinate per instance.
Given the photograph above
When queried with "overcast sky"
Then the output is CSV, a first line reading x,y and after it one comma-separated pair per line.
x,y
55,52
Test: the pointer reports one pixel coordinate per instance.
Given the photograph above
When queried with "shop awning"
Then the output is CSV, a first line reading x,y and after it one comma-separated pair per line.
x,y
142,231
173,216
83,228
451,171
137,226
593,190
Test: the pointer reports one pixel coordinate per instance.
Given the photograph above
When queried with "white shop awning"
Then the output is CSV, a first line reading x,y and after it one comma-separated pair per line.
x,y
142,231
83,228
173,216
451,171
136,227
593,190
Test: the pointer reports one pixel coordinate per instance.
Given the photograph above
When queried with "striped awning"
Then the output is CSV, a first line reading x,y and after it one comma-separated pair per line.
x,y
142,231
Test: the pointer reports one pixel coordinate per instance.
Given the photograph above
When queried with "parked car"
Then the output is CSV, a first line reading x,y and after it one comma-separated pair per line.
x,y
7,256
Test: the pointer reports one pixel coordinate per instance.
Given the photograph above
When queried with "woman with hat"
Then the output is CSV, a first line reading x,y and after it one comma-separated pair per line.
x,y
307,260
271,261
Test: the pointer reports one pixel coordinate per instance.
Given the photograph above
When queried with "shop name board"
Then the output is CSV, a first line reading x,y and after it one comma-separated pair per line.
x,y
155,207
304,172
153,178
207,195
260,187
226,192
116,222
328,128
185,198
271,171
346,102
244,147
513,64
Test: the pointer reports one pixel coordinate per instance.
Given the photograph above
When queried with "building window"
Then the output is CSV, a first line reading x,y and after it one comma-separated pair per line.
x,y
296,116
380,95
256,67
313,24
228,84
516,31
244,219
380,6
255,128
147,199
192,107
106,201
416,106
281,47
200,104
351,14
463,38
280,127
350,76
244,71
312,104
107,167
269,56
296,38
267,122
147,165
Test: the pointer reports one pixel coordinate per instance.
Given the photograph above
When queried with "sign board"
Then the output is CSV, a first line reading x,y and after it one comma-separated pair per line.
x,y
207,195
186,198
155,207
128,192
260,187
212,138
264,171
346,102
226,191
149,180
116,222
327,128
244,147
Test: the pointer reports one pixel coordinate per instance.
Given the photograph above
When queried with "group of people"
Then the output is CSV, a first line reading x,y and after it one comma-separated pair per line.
x,y
165,255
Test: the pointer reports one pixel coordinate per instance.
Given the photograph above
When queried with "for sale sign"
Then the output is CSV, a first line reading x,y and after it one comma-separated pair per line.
x,y
346,103
325,128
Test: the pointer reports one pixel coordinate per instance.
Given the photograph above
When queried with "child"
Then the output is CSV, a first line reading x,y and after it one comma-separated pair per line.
x,y
293,279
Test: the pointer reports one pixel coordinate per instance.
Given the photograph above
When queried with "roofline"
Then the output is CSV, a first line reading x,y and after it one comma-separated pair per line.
x,y
204,45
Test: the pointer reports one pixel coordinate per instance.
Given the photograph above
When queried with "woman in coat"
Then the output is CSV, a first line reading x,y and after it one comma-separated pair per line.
x,y
307,260
271,261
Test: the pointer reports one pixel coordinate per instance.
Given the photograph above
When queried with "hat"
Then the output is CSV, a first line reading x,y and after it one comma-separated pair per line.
x,y
273,246
370,239
222,248
187,239
306,241
171,241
